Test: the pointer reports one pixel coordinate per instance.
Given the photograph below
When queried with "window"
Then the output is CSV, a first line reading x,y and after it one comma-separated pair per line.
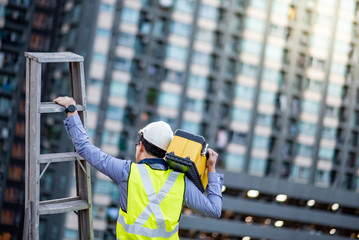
x,y
266,97
234,161
15,173
322,177
304,150
244,92
103,32
342,47
7,217
260,142
107,7
186,6
300,172
239,137
99,57
122,64
250,46
307,128
114,113
264,119
196,81
262,4
338,68
130,15
169,100
272,75
248,70
103,186
335,90
11,195
326,21
254,24
40,20
205,35
195,105
192,127
344,25
176,52
207,11
181,29
110,137
160,27
127,40
201,58
280,8
319,41
310,106
274,53
242,115
257,166
235,23
313,85
173,76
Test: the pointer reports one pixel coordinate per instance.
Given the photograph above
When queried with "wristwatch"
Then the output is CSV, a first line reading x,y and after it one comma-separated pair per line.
x,y
71,108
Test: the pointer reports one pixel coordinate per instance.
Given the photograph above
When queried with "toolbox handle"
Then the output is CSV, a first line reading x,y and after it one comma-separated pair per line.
x,y
205,150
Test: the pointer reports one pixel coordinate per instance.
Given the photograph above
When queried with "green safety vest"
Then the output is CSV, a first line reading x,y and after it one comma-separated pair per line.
x,y
154,204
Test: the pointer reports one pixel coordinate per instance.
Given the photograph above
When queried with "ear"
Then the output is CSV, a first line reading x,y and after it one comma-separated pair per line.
x,y
141,148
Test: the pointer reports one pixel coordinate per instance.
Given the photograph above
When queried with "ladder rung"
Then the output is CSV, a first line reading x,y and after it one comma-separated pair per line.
x,y
62,205
49,107
42,57
59,157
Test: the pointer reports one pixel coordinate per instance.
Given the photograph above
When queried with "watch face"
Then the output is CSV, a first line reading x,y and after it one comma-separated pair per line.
x,y
71,108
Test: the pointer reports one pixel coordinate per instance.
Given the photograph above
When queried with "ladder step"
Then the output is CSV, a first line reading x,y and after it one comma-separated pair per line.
x,y
50,107
62,205
59,157
42,57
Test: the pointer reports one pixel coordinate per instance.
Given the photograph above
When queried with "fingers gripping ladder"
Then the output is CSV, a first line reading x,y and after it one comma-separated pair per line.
x,y
81,204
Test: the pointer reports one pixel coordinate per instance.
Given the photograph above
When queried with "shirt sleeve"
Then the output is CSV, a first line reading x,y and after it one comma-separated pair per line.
x,y
116,169
210,204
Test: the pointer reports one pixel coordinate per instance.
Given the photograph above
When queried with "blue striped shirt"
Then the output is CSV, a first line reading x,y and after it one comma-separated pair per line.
x,y
209,204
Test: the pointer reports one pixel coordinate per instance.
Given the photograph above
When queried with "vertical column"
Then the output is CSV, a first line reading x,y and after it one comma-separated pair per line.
x,y
32,146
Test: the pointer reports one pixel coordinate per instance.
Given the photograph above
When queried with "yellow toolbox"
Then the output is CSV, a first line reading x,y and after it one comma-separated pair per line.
x,y
187,153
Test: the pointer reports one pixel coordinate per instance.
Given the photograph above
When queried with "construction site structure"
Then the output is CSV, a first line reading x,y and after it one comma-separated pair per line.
x,y
81,204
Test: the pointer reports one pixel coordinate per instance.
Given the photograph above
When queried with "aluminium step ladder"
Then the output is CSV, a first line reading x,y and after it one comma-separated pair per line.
x,y
82,203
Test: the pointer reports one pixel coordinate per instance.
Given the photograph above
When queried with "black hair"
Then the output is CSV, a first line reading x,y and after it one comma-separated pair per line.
x,y
152,149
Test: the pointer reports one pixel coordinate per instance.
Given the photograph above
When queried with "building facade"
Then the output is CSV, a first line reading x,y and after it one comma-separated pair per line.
x,y
272,86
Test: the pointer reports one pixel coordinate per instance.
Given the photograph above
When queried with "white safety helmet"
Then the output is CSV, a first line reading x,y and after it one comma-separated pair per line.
x,y
158,133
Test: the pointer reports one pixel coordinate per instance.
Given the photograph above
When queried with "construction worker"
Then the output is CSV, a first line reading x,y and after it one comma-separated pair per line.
x,y
151,194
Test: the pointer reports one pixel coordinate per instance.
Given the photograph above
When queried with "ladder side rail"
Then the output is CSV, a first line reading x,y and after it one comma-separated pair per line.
x,y
83,180
33,145
27,226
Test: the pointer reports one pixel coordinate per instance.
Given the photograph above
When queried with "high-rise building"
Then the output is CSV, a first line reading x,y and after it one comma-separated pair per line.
x,y
14,29
271,84
30,26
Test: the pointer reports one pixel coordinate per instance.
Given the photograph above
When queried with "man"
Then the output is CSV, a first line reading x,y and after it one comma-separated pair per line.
x,y
151,194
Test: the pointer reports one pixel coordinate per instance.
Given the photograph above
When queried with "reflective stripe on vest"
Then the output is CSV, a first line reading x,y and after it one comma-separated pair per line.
x,y
152,207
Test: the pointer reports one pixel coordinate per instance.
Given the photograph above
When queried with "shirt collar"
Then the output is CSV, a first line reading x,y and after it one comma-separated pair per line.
x,y
155,163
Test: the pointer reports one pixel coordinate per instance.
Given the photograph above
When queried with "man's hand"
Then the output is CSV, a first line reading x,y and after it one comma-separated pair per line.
x,y
65,102
211,161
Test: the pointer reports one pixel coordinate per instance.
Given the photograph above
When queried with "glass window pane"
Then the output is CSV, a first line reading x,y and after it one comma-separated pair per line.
x,y
176,52
181,29
192,127
257,166
242,115
169,100
234,161
130,15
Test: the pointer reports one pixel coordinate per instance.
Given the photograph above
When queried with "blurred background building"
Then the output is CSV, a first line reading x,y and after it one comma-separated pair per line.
x,y
271,84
